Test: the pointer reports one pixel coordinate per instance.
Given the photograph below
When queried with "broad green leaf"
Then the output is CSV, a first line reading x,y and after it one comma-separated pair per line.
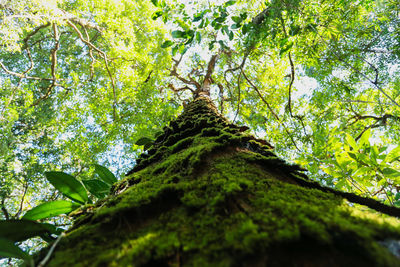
x,y
374,153
9,250
362,170
97,188
391,172
393,155
20,230
364,140
144,140
178,34
68,185
350,140
167,43
198,37
50,209
105,174
229,3
237,19
364,158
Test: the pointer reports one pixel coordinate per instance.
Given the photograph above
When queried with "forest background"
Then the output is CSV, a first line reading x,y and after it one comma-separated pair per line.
x,y
91,82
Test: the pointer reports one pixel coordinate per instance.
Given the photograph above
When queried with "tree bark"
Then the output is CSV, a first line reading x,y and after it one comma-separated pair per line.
x,y
209,194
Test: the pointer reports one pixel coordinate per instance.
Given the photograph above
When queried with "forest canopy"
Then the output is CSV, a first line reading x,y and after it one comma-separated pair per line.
x,y
86,82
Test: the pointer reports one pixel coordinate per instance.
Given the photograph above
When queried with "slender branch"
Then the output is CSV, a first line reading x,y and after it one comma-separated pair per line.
x,y
56,37
32,33
187,82
257,20
51,250
22,200
271,110
375,83
104,56
221,97
4,210
239,91
292,73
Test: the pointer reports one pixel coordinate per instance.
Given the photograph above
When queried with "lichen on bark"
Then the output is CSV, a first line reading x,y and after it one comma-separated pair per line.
x,y
209,194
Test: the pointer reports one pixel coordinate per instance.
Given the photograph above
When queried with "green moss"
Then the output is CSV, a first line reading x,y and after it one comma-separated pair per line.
x,y
216,197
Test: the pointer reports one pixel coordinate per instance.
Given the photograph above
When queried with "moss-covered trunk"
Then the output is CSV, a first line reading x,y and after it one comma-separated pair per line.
x,y
208,194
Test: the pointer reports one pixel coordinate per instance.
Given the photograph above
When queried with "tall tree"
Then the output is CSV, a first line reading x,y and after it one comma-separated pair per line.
x,y
318,79
209,194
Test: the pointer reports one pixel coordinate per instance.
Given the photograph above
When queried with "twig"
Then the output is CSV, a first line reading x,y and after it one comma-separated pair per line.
x,y
292,73
271,110
51,250
239,91
358,71
22,200
4,210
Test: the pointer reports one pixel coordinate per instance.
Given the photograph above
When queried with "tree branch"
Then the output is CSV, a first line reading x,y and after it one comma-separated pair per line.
x,y
104,56
271,110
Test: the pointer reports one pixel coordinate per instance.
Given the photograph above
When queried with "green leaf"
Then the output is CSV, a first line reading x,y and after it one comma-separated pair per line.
x,y
20,230
285,49
178,34
143,141
198,37
235,26
237,19
155,3
166,44
390,172
374,153
393,154
352,155
50,209
230,35
364,140
246,28
9,250
156,15
97,188
364,158
68,185
350,140
174,50
105,174
363,170
229,3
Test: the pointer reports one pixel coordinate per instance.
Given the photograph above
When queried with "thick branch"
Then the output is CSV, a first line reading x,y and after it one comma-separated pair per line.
x,y
369,202
53,66
205,88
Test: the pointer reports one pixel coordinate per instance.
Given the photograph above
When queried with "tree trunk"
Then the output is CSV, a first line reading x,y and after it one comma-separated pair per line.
x,y
209,194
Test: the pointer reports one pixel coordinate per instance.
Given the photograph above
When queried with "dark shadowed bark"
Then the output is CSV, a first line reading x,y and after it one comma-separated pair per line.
x,y
209,194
